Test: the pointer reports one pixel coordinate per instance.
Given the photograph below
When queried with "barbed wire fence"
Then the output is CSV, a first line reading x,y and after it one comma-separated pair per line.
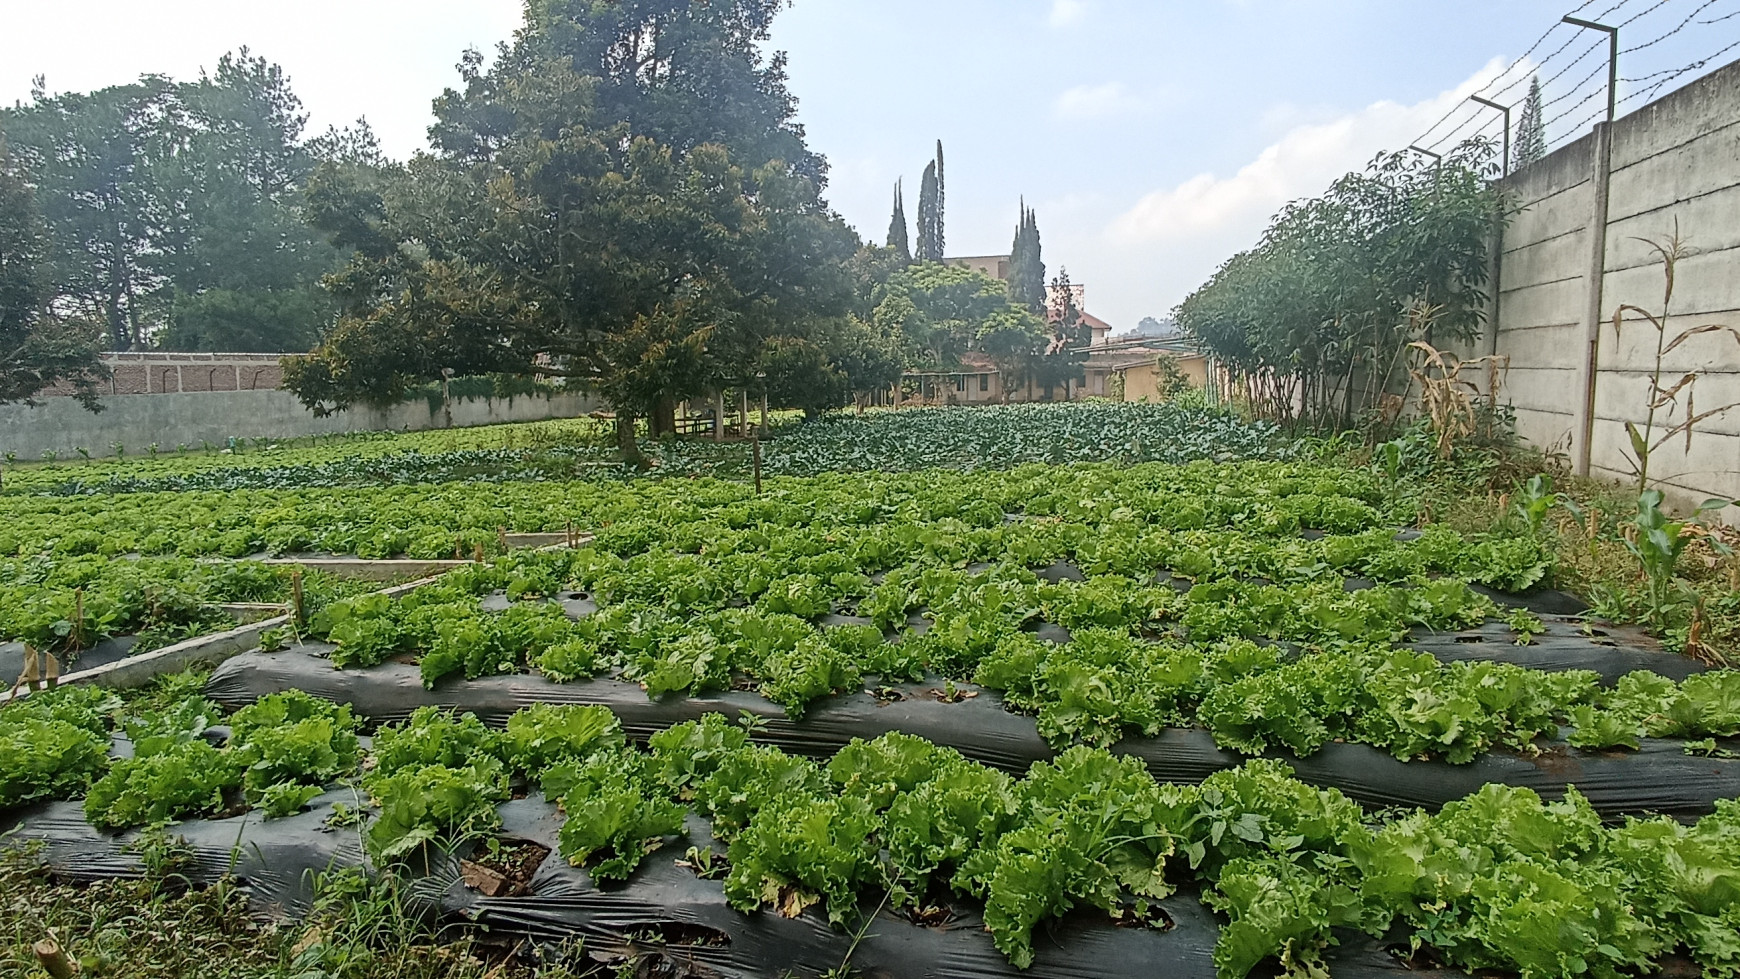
x,y
1573,71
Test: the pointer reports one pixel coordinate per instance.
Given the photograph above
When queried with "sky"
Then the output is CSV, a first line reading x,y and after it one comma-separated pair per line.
x,y
1154,138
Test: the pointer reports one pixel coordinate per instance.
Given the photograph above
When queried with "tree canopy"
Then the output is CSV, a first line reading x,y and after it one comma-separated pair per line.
x,y
168,206
622,199
897,239
1317,317
1531,130
37,348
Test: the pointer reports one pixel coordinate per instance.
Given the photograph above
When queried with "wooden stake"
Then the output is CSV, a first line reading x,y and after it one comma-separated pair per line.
x,y
755,457
54,961
501,539
477,553
297,608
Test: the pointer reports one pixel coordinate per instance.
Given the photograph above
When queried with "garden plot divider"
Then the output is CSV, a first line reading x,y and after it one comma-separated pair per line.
x,y
125,672
663,912
1661,778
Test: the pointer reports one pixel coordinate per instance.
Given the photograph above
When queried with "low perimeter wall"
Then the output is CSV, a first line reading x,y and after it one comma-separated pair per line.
x,y
62,426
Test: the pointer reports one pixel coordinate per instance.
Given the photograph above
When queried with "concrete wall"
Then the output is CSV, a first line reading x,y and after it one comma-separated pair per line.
x,y
1675,160
62,426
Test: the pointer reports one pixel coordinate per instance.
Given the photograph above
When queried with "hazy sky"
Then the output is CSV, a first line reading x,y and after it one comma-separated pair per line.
x,y
1154,137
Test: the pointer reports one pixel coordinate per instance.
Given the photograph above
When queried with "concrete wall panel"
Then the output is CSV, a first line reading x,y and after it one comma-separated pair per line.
x,y
60,425
1677,159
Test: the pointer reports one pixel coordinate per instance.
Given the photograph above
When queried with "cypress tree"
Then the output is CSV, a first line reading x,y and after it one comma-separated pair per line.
x,y
897,227
1531,131
930,210
940,194
928,250
1026,268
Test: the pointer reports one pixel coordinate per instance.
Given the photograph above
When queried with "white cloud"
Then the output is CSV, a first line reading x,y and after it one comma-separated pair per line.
x,y
1085,101
1066,12
1170,241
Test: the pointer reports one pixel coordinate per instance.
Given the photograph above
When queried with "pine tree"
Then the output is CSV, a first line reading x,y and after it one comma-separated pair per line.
x,y
1531,133
930,210
897,227
1026,268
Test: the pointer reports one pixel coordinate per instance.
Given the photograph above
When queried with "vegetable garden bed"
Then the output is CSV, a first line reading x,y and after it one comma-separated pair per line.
x,y
1125,718
1085,865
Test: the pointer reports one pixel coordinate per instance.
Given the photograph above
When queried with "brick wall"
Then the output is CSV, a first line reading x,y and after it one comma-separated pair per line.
x,y
185,373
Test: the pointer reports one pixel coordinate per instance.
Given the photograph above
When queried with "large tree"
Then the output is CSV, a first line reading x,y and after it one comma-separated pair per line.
x,y
168,206
1531,131
937,311
37,348
931,240
622,200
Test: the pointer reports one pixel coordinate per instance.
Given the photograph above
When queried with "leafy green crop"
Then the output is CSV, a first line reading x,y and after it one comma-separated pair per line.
x,y
181,779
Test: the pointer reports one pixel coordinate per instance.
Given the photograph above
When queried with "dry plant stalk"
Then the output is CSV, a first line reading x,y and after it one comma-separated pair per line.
x,y
1451,401
1644,441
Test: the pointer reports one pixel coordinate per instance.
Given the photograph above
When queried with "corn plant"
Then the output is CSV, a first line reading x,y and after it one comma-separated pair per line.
x,y
1453,403
1664,397
1657,542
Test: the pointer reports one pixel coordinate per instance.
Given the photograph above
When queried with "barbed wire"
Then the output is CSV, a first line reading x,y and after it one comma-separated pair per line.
x,y
1682,26
1508,68
1474,113
1477,124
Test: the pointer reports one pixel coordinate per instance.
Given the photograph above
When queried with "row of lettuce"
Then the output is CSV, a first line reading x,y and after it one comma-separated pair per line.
x,y
986,437
1108,680
436,521
63,606
1200,521
1497,880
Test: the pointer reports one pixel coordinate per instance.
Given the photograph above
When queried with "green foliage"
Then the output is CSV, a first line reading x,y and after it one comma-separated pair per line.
x,y
1026,266
181,779
1315,320
614,806
434,804
671,292
289,742
44,758
1531,129
42,349
171,207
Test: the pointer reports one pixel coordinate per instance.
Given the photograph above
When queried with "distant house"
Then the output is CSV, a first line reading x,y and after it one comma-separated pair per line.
x,y
995,266
1126,369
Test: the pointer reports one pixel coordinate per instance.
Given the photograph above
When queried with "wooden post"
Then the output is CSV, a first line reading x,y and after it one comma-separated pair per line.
x,y
501,539
764,414
54,960
718,416
298,609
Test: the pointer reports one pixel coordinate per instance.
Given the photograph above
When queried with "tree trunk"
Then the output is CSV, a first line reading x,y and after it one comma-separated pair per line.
x,y
663,420
625,442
